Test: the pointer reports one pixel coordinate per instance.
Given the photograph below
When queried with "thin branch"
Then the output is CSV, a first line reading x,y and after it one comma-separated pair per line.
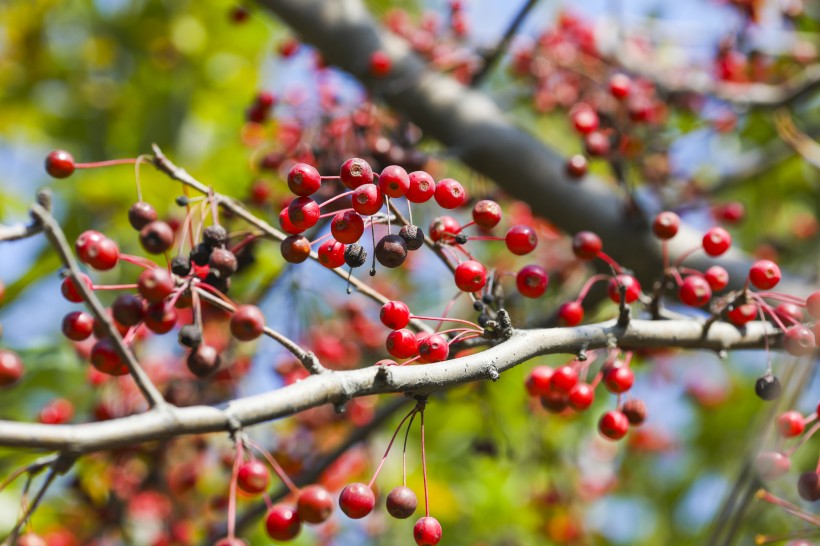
x,y
57,238
492,57
802,143
337,387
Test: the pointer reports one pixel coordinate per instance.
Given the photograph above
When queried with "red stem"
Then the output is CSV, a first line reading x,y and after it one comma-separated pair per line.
x,y
107,163
237,460
332,199
424,468
389,446
444,319
610,261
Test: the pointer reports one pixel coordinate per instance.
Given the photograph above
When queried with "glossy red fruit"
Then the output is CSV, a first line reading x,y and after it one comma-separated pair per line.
x,y
717,277
790,424
98,251
59,164
367,199
286,225
813,304
314,505
282,523
521,240
619,380
633,288
581,396
157,237
695,291
531,281
401,502
253,477
789,312
427,531
586,245
470,276
85,241
356,172
161,317
742,314
538,381
570,313
555,402
666,225
716,241
304,179
422,187
799,340
764,274
584,119
11,367
577,166
395,315
331,254
357,500
564,379
141,214
303,213
402,343
247,323
619,86
70,291
444,228
596,144
155,284
347,227
433,348
227,541
449,194
613,425
78,325
486,214
105,359
56,412
380,64
295,249
394,181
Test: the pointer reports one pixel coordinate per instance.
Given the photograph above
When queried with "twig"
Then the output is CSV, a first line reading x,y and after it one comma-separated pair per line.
x,y
492,57
801,142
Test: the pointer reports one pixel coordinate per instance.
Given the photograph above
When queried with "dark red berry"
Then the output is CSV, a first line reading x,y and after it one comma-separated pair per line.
x,y
141,214
427,531
282,523
764,274
78,325
401,502
808,486
60,164
356,172
347,227
470,276
596,144
155,284
11,367
666,225
304,179
555,401
357,500
577,166
286,224
586,245
161,317
105,358
391,250
444,228
635,411
799,340
71,292
295,249
449,194
156,237
247,323
314,505
521,240
532,281
128,309
395,315
613,425
223,262
253,477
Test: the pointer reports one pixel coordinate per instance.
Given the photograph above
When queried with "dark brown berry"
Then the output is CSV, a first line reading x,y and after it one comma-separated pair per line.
x,y
156,237
141,214
181,265
295,249
635,411
413,236
391,251
401,502
203,361
215,236
201,254
223,262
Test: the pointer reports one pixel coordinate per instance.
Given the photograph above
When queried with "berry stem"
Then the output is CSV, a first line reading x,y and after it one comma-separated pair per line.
x,y
792,509
113,287
803,439
389,447
685,255
424,469
247,240
783,297
404,451
137,163
237,460
465,226
445,319
483,237
330,177
334,213
275,465
106,163
322,238
610,261
336,198
138,261
588,285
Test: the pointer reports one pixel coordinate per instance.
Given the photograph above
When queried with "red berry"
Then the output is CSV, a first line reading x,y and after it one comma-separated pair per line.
x,y
449,194
532,281
620,85
596,144
564,379
128,309
555,401
790,424
78,325
402,343
584,119
422,187
666,225
161,317
56,412
60,164
716,241
586,245
155,284
789,312
304,179
717,277
444,228
347,227
619,380
295,249
427,531
225,541
70,290
282,523
239,14
577,166
288,47
380,64
813,304
253,477
395,315
85,241
11,367
521,240
394,181
581,396
799,340
105,358
486,214
433,348
286,224
571,313
764,274
247,323
470,276
356,172
730,212
613,425
401,502
742,314
367,199
538,381
695,291
357,500
331,254
314,505
157,237
303,213
630,283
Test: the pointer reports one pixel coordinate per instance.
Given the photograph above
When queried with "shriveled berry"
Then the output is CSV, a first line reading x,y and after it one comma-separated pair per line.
x,y
521,240
422,187
470,276
394,181
223,262
717,277
253,477
314,505
11,367
413,236
215,236
128,309
427,531
395,315
295,249
60,164
401,502
204,360
635,411
790,424
449,194
402,343
538,381
181,265
570,313
586,245
304,179
357,500
433,348
190,336
331,254
303,213
70,291
391,250
156,237
367,199
764,274
355,172
77,325
247,323
716,241
695,291
282,523
630,284
155,284
347,227
768,387
141,214
666,225
799,340
532,281
613,425
581,396
355,255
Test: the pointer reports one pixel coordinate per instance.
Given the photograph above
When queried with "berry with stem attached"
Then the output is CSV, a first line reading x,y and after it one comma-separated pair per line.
x,y
331,254
613,425
155,284
78,325
571,313
70,291
538,381
619,380
156,237
367,199
391,250
422,187
433,348
532,281
695,291
347,227
395,314
356,172
586,245
314,504
630,284
449,194
470,276
394,181
401,502
303,213
790,424
717,277
60,164
203,360
486,214
764,274
427,531
521,239
295,249
666,225
799,340
635,411
716,241
253,477
247,323
357,500
402,343
304,180
581,396
141,214
282,523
